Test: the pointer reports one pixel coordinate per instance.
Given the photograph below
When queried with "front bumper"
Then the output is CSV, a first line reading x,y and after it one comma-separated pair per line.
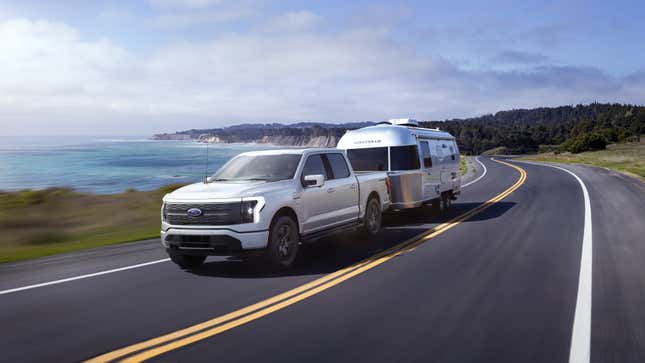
x,y
213,241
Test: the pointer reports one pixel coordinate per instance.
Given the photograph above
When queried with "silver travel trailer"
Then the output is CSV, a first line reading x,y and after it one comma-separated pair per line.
x,y
423,164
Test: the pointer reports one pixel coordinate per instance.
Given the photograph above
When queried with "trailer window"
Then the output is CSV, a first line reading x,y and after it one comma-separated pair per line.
x,y
368,159
404,157
425,154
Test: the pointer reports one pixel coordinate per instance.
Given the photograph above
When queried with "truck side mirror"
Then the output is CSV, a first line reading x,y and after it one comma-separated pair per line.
x,y
315,180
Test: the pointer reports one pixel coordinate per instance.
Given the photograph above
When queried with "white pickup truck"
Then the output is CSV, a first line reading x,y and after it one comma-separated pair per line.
x,y
271,201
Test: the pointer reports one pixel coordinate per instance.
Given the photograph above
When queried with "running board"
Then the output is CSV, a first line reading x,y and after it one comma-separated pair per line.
x,y
314,236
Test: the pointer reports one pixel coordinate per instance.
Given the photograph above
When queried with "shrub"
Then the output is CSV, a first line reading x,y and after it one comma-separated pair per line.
x,y
587,141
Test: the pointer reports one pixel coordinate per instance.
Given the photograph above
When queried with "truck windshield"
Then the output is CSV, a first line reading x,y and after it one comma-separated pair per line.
x,y
259,167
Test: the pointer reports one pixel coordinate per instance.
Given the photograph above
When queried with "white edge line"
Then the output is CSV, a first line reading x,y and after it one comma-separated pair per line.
x,y
581,335
55,282
481,176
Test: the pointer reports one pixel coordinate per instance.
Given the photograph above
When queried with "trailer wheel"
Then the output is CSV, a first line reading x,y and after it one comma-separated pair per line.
x,y
435,206
372,219
446,201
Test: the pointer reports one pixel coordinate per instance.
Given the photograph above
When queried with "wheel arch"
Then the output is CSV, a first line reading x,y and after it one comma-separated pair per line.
x,y
285,211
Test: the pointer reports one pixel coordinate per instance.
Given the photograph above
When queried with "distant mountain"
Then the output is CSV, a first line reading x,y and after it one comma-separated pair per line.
x,y
305,134
567,128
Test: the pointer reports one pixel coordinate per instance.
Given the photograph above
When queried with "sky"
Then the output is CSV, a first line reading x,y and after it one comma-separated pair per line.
x,y
73,67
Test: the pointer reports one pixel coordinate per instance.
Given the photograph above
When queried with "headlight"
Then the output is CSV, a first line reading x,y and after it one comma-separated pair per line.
x,y
247,210
163,211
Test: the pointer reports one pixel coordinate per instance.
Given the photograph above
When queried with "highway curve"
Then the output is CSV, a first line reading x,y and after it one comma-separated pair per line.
x,y
504,277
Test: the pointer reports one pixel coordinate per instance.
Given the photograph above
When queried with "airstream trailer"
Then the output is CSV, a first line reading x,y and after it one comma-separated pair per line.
x,y
423,164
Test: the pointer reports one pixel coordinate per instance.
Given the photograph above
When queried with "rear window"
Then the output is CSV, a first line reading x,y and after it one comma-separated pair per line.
x,y
404,158
369,159
338,166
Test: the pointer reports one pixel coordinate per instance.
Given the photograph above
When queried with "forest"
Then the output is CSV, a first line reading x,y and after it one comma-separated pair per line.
x,y
565,128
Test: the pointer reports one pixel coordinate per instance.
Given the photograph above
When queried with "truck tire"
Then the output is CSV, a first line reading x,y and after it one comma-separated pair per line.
x,y
283,243
373,217
186,262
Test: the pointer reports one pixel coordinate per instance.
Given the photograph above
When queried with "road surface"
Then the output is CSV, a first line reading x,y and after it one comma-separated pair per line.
x,y
505,280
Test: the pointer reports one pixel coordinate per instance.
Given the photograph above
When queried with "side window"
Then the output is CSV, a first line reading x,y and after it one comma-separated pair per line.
x,y
338,166
425,154
452,152
404,157
314,165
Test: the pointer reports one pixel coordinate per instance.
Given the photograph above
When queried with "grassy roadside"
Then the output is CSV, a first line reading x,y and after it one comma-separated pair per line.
x,y
464,167
37,223
628,158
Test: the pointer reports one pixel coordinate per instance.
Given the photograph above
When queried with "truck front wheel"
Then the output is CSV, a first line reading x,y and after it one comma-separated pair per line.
x,y
187,262
283,242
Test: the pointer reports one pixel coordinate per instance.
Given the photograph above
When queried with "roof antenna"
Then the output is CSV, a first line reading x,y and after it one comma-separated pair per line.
x,y
206,168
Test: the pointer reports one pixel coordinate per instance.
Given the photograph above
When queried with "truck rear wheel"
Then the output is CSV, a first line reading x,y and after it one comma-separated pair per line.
x,y
283,242
186,262
372,219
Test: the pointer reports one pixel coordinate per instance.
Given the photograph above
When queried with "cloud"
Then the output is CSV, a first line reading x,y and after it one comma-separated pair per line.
x,y
176,14
518,57
185,19
56,81
190,4
294,21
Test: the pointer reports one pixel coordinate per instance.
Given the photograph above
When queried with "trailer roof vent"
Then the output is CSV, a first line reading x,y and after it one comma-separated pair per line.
x,y
404,122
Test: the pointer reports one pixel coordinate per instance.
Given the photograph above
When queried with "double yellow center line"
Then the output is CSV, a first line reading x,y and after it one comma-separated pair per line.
x,y
151,348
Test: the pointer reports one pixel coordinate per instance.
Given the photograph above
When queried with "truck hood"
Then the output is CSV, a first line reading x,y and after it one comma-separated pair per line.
x,y
223,190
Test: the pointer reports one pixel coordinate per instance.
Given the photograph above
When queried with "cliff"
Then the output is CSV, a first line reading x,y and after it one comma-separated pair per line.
x,y
301,134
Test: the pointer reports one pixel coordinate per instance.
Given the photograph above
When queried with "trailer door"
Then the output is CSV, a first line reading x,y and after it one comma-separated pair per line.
x,y
429,181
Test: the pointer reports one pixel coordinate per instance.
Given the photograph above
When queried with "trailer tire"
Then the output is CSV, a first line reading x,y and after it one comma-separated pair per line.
x,y
436,206
446,201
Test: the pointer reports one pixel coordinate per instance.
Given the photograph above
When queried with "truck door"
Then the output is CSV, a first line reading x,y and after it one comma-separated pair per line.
x,y
317,210
342,190
426,165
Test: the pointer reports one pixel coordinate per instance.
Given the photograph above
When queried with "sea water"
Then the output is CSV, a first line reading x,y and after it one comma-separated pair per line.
x,y
107,164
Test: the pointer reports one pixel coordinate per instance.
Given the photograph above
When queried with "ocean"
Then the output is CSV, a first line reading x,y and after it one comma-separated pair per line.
x,y
107,165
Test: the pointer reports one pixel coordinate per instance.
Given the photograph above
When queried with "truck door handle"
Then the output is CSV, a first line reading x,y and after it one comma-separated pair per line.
x,y
353,186
331,190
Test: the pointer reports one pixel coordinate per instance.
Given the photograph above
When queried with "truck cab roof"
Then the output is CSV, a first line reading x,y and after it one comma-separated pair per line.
x,y
300,151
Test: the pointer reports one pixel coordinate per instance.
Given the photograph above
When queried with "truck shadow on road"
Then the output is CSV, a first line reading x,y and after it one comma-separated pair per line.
x,y
333,253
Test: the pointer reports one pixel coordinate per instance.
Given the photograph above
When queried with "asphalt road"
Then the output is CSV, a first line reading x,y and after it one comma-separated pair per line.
x,y
500,286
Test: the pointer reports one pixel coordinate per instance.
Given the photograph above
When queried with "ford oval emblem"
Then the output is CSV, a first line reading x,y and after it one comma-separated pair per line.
x,y
194,212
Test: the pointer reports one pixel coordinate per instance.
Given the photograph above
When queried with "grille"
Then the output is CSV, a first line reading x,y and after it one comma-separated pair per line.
x,y
220,243
213,214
